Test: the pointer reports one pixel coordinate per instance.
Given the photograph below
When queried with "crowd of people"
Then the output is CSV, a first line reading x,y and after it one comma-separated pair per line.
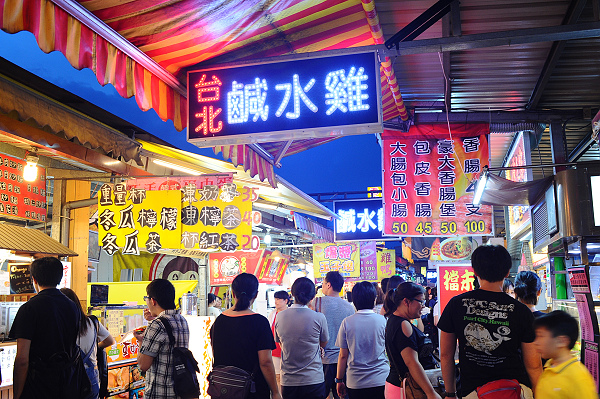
x,y
382,347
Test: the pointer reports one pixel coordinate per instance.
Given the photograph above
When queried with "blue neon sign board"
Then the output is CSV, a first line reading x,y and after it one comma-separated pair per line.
x,y
295,99
360,220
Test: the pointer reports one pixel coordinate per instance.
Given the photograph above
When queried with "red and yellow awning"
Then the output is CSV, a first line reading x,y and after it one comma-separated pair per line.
x,y
180,34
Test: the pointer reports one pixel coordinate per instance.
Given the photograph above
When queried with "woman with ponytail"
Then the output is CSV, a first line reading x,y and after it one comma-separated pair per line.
x,y
300,332
409,350
528,288
243,339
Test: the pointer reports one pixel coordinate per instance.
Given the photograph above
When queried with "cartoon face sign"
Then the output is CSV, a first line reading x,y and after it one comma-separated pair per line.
x,y
173,268
230,266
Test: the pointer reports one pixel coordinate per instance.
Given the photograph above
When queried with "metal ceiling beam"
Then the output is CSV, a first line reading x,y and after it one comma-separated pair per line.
x,y
455,18
573,14
494,117
84,16
446,66
581,148
262,152
420,24
282,152
494,39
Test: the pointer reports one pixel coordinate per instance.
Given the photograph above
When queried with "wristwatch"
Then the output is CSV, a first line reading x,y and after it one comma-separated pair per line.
x,y
338,380
450,394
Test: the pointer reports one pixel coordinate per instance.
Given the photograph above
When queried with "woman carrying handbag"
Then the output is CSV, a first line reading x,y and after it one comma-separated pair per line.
x,y
406,345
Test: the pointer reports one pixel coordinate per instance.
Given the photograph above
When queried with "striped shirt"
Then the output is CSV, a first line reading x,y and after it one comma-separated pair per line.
x,y
159,379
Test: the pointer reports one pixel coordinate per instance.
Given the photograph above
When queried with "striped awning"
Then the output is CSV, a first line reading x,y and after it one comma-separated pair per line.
x,y
144,47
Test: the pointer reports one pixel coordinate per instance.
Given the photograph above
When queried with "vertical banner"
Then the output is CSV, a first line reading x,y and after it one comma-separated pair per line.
x,y
428,181
453,280
368,262
341,257
224,267
272,270
519,217
386,263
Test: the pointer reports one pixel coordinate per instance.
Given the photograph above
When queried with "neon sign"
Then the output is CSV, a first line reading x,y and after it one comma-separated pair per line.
x,y
359,220
301,98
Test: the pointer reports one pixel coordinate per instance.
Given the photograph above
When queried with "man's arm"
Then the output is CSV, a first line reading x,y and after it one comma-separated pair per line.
x,y
447,351
144,361
266,366
532,362
21,366
341,371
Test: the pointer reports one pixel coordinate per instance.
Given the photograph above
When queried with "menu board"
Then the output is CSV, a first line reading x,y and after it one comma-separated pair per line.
x,y
20,279
579,280
368,262
585,317
590,356
429,179
20,198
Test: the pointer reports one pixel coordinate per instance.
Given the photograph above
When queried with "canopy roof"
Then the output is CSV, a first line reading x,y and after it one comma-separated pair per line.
x,y
535,60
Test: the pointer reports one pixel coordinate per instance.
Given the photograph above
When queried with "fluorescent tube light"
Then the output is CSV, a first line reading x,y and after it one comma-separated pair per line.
x,y
177,167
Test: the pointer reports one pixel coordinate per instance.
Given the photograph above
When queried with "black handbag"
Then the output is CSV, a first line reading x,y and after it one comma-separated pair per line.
x,y
230,382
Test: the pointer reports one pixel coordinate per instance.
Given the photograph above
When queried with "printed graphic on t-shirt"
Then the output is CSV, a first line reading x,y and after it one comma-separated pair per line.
x,y
488,324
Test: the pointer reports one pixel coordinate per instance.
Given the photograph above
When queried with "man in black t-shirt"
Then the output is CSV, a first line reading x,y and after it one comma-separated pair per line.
x,y
44,326
494,331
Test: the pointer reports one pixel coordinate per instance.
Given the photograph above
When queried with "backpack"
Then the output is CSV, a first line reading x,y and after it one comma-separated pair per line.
x,y
500,389
185,367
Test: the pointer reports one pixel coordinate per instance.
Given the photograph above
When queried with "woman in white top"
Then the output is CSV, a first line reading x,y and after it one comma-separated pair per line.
x,y
213,310
90,338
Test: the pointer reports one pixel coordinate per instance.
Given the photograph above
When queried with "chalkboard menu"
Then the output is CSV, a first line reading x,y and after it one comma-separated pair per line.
x,y
20,279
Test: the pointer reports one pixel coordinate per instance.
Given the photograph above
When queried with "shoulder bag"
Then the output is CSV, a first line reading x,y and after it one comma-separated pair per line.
x,y
410,387
230,382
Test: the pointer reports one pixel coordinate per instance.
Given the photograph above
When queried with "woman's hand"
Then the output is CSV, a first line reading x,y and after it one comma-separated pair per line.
x,y
341,389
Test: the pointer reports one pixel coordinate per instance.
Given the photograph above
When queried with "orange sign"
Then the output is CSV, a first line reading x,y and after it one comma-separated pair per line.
x,y
225,266
453,280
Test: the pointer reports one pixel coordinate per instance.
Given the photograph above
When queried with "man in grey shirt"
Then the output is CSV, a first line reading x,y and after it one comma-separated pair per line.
x,y
335,309
301,332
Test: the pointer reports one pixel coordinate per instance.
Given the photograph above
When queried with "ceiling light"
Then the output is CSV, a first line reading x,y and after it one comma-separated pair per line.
x,y
30,170
177,167
267,238
480,187
276,254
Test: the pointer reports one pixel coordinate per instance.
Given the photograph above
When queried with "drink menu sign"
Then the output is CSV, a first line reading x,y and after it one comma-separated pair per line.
x,y
20,198
429,180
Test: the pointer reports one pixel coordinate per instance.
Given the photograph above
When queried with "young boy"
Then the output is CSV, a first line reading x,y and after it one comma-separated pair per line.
x,y
564,375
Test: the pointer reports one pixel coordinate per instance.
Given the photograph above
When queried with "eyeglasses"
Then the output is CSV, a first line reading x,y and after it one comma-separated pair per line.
x,y
421,301
146,298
